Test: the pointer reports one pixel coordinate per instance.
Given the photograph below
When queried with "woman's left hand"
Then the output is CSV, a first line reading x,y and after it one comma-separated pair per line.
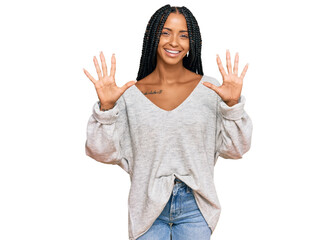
x,y
232,85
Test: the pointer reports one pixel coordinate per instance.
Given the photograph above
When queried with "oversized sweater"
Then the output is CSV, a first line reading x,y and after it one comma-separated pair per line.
x,y
154,146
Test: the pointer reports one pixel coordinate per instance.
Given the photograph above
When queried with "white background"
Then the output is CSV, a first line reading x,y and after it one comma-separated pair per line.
x,y
283,188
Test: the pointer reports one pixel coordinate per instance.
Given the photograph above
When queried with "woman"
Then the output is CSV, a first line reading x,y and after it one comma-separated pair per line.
x,y
167,129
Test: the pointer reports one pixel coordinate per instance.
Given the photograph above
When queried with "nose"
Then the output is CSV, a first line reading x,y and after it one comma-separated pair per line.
x,y
173,41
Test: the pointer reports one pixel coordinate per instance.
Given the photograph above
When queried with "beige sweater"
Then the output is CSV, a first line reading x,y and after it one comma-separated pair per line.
x,y
154,146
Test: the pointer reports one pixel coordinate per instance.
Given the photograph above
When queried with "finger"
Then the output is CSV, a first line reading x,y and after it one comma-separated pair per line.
x,y
113,66
97,67
102,59
89,76
211,86
220,66
244,72
127,85
235,67
228,61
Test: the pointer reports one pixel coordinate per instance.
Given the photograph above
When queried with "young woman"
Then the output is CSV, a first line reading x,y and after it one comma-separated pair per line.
x,y
168,128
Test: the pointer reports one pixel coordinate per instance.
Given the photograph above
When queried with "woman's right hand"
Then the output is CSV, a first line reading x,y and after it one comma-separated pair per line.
x,y
106,87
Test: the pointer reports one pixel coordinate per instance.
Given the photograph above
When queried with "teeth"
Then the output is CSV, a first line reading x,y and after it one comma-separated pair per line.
x,y
172,51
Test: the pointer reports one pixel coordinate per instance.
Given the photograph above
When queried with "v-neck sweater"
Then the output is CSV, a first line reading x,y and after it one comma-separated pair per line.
x,y
154,146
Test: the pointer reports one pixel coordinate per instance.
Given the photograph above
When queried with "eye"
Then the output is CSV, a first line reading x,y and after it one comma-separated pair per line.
x,y
185,36
165,33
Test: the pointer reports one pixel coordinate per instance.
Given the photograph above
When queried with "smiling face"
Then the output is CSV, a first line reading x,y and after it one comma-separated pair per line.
x,y
174,40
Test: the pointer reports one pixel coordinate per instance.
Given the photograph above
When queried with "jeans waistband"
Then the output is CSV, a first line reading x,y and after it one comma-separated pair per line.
x,y
180,184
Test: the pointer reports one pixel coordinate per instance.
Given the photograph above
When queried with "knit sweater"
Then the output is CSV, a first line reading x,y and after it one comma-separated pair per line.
x,y
154,146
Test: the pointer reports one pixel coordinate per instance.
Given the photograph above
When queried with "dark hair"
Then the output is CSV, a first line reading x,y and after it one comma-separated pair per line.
x,y
151,40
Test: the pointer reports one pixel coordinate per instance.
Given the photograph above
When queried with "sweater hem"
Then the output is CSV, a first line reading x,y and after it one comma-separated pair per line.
x,y
140,234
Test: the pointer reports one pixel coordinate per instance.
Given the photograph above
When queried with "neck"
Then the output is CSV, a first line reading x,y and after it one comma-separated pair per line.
x,y
166,74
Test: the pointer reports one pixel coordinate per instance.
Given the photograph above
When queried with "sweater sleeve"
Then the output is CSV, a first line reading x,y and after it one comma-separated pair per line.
x,y
234,130
108,137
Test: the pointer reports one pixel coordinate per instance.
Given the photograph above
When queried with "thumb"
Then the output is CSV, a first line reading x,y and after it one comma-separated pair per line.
x,y
211,86
127,85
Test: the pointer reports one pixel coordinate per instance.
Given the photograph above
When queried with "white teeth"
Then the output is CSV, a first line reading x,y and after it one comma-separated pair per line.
x,y
172,51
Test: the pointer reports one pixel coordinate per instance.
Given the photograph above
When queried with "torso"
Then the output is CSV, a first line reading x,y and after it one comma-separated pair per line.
x,y
168,98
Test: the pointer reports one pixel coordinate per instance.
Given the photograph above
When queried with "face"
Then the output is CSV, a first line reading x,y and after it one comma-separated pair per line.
x,y
174,38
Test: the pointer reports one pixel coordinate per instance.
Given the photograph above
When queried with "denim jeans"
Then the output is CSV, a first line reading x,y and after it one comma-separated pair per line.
x,y
181,218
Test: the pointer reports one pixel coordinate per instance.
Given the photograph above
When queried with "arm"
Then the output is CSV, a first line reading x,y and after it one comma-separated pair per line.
x,y
107,134
234,130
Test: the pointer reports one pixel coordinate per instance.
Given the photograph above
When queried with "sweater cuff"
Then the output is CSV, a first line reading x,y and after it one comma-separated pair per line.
x,y
105,117
235,112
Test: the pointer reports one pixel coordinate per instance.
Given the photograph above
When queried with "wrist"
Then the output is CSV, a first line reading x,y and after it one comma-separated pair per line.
x,y
105,107
231,102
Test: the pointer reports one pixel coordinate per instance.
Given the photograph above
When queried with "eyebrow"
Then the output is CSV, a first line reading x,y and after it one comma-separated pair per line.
x,y
171,30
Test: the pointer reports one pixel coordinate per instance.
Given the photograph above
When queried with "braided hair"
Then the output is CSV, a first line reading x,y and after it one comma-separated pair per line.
x,y
193,61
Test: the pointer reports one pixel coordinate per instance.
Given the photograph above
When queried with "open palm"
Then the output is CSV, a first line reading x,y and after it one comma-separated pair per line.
x,y
232,85
107,90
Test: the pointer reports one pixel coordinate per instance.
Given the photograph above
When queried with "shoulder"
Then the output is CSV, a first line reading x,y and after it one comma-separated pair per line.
x,y
128,93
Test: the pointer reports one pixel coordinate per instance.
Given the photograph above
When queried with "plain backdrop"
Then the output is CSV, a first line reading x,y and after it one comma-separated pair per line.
x,y
283,188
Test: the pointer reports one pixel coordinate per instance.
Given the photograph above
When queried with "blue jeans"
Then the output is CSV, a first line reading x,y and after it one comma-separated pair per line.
x,y
181,218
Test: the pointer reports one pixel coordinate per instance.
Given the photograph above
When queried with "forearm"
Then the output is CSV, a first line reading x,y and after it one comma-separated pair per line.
x,y
234,130
102,142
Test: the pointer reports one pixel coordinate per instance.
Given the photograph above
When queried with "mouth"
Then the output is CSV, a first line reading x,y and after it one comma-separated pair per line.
x,y
172,53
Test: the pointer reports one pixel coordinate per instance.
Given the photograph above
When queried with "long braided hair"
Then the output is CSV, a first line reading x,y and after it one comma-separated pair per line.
x,y
193,61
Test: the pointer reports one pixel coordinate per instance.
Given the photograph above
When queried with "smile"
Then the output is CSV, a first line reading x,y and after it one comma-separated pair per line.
x,y
172,53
